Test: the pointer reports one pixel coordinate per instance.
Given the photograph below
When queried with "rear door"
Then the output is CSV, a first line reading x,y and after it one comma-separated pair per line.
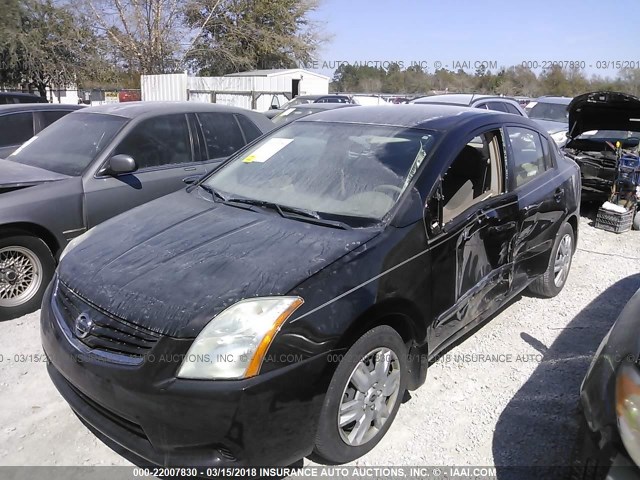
x,y
163,149
541,200
222,134
15,129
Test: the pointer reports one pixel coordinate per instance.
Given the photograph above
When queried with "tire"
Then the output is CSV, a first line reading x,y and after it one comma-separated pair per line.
x,y
636,221
26,268
335,444
549,284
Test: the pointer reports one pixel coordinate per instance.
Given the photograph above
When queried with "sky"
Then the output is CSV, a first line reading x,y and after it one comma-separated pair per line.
x,y
465,33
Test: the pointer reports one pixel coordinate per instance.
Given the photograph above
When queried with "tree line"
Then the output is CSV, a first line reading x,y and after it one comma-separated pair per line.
x,y
509,81
110,43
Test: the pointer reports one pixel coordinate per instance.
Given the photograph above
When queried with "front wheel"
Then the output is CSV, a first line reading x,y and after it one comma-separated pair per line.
x,y
555,276
26,267
364,396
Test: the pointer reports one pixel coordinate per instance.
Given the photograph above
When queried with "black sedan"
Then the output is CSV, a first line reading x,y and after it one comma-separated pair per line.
x,y
609,439
92,165
283,305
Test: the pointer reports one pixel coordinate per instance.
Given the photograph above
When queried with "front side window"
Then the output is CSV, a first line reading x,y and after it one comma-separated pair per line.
x,y
497,106
15,128
69,145
158,141
222,135
476,174
529,159
333,169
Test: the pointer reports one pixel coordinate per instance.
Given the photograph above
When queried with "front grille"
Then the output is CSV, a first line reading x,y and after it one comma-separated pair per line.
x,y
107,333
110,415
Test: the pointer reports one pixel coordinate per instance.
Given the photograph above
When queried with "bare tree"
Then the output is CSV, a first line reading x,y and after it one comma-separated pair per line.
x,y
145,35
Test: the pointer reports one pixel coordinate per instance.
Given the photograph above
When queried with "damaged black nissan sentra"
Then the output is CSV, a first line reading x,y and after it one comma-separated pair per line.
x,y
281,306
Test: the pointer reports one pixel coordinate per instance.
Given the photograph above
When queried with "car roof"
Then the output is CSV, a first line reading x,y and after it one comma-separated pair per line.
x,y
19,94
323,106
551,99
37,107
138,109
457,98
423,116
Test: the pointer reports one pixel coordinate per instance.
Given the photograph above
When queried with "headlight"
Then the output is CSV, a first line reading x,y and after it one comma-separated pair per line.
x,y
560,138
74,243
628,409
234,343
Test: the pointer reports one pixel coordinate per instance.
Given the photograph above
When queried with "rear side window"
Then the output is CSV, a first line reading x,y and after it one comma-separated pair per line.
x,y
529,159
497,106
222,135
251,132
16,128
158,141
50,116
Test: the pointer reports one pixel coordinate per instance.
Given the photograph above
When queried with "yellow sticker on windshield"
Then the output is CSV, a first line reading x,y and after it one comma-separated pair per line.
x,y
267,150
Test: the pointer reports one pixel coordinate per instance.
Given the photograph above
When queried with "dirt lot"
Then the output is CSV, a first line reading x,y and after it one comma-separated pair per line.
x,y
504,396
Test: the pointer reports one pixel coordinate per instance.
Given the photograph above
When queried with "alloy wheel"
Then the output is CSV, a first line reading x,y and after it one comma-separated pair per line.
x,y
20,275
563,260
369,397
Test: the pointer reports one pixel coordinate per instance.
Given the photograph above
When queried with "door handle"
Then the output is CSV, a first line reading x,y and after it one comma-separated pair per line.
x,y
190,169
505,227
559,193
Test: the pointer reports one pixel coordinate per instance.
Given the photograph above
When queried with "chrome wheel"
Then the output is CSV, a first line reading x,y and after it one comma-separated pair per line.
x,y
563,260
20,275
369,397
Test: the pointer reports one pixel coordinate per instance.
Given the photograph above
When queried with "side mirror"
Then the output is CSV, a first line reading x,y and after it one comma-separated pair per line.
x,y
121,164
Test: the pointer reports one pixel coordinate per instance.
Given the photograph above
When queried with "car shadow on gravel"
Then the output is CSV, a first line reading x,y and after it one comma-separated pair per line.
x,y
537,429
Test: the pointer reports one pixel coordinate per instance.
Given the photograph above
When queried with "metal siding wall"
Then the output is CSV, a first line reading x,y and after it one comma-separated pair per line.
x,y
169,87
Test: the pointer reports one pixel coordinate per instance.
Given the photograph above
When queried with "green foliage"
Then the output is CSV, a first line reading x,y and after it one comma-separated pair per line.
x,y
512,81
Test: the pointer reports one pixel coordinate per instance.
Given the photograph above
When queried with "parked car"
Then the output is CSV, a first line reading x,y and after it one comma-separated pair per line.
x,y
282,305
552,114
598,121
301,111
95,163
18,123
486,102
608,444
307,99
10,98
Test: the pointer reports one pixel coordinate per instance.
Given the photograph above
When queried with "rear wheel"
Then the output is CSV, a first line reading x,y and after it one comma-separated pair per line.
x,y
26,267
364,396
555,276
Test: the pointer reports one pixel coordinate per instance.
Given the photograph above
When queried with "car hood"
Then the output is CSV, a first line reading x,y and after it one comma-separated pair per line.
x,y
173,264
551,127
17,175
603,111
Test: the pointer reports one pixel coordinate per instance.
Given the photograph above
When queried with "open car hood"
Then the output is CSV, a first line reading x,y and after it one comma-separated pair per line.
x,y
603,111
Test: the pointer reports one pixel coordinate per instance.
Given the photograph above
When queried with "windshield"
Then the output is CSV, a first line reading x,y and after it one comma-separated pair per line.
x,y
69,145
554,112
296,101
334,169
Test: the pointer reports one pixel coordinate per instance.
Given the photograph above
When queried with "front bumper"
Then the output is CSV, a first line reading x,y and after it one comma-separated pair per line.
x,y
269,420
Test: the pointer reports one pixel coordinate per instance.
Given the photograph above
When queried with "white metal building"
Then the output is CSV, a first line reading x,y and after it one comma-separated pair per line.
x,y
256,90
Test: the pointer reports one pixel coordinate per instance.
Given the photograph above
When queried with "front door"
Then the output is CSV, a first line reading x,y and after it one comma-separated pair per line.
x,y
471,244
163,150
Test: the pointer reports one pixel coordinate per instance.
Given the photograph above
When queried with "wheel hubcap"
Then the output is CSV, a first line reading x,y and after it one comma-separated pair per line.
x,y
369,397
563,260
20,276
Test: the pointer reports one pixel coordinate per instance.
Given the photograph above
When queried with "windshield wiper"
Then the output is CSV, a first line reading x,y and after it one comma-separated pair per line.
x,y
293,213
214,193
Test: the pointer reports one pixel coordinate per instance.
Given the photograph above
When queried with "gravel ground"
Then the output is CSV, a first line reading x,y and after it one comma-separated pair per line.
x,y
504,396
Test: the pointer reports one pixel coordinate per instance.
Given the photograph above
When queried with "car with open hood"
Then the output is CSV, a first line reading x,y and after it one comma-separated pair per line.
x,y
285,303
599,124
95,163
